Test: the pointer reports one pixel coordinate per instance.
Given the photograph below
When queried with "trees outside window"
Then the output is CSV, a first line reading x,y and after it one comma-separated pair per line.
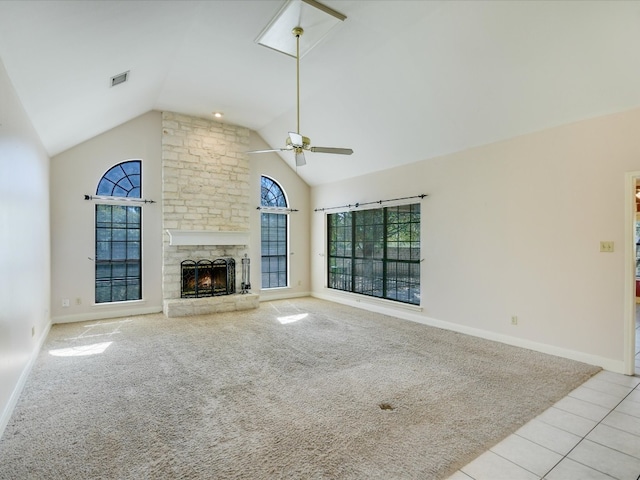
x,y
376,252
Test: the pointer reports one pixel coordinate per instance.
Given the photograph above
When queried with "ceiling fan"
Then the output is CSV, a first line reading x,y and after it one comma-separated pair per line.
x,y
295,141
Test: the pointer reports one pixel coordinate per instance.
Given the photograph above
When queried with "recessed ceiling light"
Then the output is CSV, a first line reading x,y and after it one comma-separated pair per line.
x,y
218,114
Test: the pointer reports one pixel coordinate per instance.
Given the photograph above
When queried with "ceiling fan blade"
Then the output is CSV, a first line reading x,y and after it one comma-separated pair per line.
x,y
296,139
267,151
300,160
339,151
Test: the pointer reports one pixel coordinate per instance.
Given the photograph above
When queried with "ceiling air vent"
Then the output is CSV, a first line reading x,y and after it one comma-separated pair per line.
x,y
120,78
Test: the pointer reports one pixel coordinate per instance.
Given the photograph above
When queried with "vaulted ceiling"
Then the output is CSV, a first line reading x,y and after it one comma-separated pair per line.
x,y
397,81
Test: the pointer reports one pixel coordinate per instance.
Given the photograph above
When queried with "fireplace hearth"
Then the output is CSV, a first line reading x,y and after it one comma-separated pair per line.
x,y
207,278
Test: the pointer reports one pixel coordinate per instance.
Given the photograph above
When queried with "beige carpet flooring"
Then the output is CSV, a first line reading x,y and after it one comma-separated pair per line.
x,y
297,389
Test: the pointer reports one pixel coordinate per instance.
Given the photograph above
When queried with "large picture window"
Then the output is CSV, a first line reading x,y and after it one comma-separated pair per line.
x,y
274,234
376,252
118,233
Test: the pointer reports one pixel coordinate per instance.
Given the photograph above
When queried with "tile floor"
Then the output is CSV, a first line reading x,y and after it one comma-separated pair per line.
x,y
593,433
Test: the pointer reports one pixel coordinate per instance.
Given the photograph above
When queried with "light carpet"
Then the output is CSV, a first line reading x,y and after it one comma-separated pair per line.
x,y
297,389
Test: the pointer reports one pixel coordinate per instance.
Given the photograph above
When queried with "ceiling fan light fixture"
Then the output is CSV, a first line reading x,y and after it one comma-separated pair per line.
x,y
300,160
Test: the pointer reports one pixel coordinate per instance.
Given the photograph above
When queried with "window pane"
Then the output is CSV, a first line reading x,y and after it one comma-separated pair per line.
x,y
118,270
133,250
118,250
103,214
119,216
103,250
118,234
133,215
133,235
103,271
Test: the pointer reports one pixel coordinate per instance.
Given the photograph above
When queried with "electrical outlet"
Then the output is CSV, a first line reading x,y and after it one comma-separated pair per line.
x,y
65,302
514,320
606,247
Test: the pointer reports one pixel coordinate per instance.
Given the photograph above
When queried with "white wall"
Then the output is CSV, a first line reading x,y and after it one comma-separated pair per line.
x,y
24,245
76,172
513,228
297,191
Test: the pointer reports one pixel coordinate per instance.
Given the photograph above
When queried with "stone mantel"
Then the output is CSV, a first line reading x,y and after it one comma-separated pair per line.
x,y
206,237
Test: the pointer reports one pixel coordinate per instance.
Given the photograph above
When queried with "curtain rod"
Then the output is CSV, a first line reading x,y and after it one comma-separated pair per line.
x,y
380,202
277,209
117,199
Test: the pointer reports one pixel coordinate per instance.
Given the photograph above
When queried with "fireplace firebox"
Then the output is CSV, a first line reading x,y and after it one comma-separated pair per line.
x,y
206,278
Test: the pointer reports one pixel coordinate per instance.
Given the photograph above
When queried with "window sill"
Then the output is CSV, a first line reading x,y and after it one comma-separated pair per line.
x,y
355,297
120,304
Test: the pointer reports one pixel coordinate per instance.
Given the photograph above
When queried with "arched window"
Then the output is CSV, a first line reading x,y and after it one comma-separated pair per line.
x,y
118,235
274,234
122,180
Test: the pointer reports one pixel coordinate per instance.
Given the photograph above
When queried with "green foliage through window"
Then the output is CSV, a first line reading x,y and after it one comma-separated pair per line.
x,y
376,252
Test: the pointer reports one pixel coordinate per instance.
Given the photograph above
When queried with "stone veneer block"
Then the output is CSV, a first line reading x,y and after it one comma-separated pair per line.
x,y
184,307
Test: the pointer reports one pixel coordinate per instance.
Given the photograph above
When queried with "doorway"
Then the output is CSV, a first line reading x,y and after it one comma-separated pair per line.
x,y
631,270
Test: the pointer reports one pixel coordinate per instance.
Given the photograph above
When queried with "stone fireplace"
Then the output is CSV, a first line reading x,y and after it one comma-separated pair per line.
x,y
205,210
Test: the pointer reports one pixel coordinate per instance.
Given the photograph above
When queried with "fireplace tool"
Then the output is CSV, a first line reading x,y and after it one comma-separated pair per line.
x,y
246,275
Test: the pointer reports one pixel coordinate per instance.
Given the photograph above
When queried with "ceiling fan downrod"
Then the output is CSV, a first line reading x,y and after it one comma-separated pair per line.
x,y
296,142
297,31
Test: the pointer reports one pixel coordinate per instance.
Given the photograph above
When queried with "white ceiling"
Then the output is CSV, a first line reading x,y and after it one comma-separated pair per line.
x,y
397,81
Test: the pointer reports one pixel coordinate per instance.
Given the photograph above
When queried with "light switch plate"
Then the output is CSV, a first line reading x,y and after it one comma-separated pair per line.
x,y
606,247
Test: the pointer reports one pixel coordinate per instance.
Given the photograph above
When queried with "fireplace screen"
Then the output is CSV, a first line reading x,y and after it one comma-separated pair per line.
x,y
206,278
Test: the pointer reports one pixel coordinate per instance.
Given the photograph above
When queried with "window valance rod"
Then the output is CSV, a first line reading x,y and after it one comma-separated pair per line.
x,y
276,209
117,199
380,202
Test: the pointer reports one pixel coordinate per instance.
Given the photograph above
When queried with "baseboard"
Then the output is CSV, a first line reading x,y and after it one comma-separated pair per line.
x,y
90,316
17,390
605,363
616,366
266,295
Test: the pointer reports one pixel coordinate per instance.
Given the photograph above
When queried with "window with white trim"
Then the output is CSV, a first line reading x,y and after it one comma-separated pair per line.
x,y
118,233
274,234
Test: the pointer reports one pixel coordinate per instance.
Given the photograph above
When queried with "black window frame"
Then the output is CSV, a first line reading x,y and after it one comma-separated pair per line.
x,y
118,257
118,235
274,235
376,252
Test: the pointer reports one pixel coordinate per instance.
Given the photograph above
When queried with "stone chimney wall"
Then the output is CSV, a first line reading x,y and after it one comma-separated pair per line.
x,y
205,177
